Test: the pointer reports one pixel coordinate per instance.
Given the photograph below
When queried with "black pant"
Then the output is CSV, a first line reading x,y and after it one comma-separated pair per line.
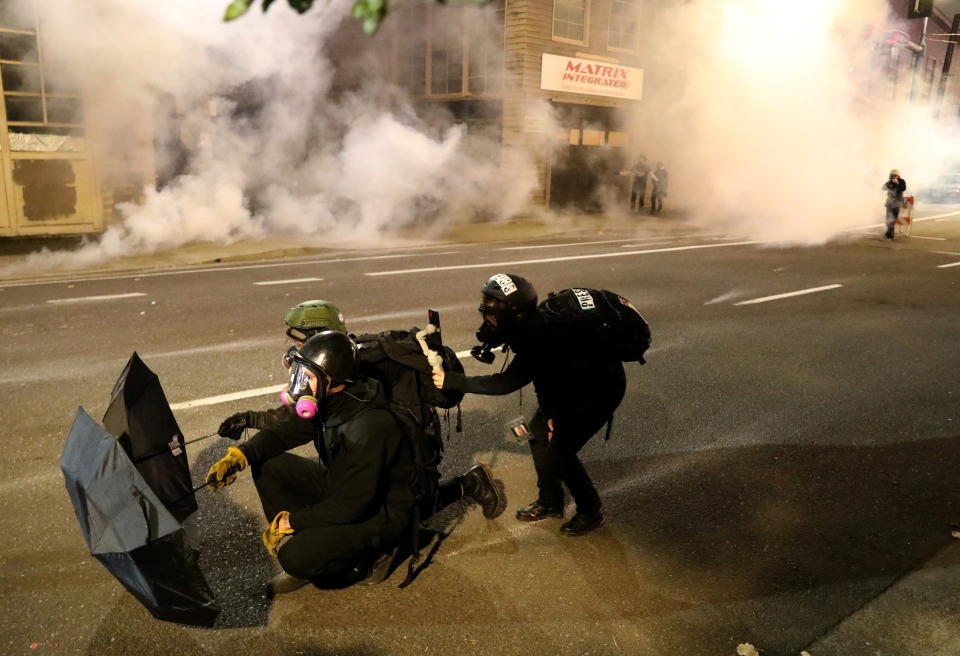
x,y
327,554
556,459
656,201
637,191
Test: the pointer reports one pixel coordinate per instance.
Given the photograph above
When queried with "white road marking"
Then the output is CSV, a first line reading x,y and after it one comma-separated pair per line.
x,y
291,281
582,243
932,238
775,297
946,253
106,297
213,268
635,244
246,394
491,265
915,220
224,398
947,266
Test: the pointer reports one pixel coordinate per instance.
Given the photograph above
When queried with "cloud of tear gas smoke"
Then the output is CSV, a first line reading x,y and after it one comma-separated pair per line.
x,y
771,116
263,141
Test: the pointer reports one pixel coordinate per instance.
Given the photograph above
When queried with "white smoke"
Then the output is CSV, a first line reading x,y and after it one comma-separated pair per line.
x,y
771,118
271,147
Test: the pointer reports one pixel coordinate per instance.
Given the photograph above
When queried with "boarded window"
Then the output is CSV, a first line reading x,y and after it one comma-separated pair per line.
x,y
49,188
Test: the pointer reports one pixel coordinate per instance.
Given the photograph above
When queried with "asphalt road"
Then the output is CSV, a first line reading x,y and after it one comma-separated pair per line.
x,y
775,466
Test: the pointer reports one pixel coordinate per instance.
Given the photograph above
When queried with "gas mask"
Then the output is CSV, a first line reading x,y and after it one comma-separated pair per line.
x,y
491,336
298,393
287,358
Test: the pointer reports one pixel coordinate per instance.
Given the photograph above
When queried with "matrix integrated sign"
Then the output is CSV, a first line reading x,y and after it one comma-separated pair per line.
x,y
590,77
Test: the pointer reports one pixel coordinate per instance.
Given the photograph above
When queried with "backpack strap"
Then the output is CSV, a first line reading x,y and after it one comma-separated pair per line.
x,y
414,548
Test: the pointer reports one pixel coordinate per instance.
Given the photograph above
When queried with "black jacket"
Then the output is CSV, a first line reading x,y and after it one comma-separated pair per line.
x,y
368,462
894,192
566,378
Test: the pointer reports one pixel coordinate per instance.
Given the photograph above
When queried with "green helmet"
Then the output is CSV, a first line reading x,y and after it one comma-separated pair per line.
x,y
314,316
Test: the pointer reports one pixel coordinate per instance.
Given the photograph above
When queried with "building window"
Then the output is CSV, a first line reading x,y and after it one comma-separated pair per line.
x,y
485,64
446,65
43,115
622,30
570,20
411,48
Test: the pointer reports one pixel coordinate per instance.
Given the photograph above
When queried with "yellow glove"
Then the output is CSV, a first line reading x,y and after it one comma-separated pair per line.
x,y
225,470
273,534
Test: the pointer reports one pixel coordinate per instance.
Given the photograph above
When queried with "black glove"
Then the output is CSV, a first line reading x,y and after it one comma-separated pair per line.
x,y
234,425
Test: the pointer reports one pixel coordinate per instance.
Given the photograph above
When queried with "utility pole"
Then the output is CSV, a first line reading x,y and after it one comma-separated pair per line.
x,y
947,59
918,57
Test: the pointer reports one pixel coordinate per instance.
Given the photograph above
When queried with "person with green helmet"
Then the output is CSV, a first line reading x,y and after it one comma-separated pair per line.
x,y
302,321
310,318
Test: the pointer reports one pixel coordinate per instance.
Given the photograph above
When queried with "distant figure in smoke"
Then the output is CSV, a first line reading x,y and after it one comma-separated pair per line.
x,y
639,187
659,178
894,186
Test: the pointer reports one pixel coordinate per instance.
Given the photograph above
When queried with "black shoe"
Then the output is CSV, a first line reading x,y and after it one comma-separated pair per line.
x,y
378,569
537,511
283,583
583,523
478,484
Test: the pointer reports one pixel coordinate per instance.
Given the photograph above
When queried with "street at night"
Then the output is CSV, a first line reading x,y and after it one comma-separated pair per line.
x,y
778,470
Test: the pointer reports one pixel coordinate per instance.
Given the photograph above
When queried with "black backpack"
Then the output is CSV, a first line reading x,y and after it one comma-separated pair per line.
x,y
607,324
395,358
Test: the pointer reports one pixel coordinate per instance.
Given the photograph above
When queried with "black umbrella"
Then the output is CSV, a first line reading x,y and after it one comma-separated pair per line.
x,y
129,530
140,417
131,488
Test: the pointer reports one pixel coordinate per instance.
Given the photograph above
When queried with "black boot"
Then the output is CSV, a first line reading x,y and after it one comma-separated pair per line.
x,y
583,523
283,583
537,511
377,568
478,484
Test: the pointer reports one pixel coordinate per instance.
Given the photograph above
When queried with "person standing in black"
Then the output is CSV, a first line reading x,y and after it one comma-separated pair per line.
x,y
894,186
659,177
576,396
639,187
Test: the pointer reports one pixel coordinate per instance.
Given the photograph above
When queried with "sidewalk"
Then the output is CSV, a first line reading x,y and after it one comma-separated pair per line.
x,y
918,615
14,252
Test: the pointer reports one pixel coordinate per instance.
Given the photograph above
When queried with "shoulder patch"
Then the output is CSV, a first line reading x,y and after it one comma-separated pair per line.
x,y
585,299
506,283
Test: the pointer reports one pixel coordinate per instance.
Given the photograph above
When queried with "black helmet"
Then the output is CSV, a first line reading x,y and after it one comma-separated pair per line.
x,y
330,353
514,291
514,298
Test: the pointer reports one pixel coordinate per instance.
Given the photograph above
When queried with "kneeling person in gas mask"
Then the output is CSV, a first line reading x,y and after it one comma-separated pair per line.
x,y
310,318
327,522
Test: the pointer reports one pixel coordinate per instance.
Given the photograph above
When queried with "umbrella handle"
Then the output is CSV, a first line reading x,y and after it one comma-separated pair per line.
x,y
202,437
163,451
190,493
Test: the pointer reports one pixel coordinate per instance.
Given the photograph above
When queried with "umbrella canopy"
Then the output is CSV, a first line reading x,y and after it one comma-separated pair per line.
x,y
129,529
140,417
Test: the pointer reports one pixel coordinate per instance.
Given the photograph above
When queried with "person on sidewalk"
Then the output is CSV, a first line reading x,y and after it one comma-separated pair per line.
x,y
894,186
576,397
659,178
332,522
639,187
